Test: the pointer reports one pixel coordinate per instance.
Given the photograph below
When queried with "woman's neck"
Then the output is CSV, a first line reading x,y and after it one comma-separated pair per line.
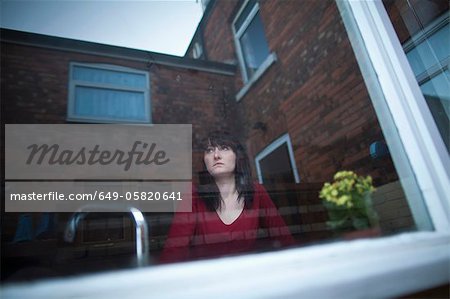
x,y
227,186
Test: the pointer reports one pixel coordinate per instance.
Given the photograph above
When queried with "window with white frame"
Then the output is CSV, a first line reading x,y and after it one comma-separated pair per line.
x,y
108,93
276,163
336,124
251,43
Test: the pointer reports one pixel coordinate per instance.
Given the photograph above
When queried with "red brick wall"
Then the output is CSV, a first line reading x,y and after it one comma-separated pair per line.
x,y
218,35
34,84
315,90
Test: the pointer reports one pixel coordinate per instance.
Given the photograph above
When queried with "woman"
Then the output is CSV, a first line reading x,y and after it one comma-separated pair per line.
x,y
228,209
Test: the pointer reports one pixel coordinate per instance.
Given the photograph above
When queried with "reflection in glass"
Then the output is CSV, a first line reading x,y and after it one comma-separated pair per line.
x,y
314,93
423,28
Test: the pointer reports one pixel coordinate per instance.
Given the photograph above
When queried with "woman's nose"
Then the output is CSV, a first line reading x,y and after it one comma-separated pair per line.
x,y
216,153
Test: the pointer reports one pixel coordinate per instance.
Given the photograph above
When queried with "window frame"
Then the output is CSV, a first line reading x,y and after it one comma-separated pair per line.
x,y
415,125
73,84
271,57
284,139
402,264
357,269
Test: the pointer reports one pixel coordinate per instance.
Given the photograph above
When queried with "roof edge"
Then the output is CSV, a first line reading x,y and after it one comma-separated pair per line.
x,y
85,47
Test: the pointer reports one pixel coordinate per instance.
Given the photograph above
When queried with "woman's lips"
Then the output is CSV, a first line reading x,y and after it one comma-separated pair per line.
x,y
218,164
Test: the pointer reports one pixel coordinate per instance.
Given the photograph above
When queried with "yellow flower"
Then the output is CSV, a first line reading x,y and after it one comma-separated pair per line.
x,y
345,184
343,200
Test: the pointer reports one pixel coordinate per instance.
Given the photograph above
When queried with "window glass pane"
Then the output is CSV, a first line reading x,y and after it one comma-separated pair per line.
x,y
438,87
428,23
277,166
437,94
419,56
244,14
96,75
96,102
314,92
254,45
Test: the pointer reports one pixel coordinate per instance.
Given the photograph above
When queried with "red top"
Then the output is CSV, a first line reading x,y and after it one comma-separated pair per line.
x,y
201,233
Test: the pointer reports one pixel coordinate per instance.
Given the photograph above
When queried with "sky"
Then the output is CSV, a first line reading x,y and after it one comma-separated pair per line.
x,y
164,26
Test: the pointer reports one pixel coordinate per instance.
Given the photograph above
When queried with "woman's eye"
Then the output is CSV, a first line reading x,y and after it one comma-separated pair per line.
x,y
224,148
209,150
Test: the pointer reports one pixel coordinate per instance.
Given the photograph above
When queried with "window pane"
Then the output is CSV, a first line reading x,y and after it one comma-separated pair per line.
x,y
437,94
96,102
96,75
277,166
419,56
244,14
254,45
314,92
427,22
438,88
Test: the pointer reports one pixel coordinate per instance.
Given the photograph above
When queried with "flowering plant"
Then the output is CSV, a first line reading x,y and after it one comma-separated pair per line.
x,y
348,202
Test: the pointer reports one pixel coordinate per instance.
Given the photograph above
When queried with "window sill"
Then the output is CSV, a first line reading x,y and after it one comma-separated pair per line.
x,y
372,268
261,70
74,119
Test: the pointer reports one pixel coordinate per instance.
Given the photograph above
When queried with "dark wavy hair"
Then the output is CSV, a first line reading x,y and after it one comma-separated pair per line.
x,y
208,190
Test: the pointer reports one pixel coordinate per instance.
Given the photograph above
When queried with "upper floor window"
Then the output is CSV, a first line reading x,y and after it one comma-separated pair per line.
x,y
107,93
197,52
251,43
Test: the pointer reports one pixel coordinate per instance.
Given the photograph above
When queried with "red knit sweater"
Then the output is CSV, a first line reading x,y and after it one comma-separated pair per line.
x,y
201,233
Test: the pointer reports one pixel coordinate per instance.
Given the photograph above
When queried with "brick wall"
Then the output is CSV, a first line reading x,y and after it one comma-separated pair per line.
x,y
315,90
34,85
218,35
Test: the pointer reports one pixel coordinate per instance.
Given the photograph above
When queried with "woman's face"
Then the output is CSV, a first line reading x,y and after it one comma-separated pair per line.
x,y
220,160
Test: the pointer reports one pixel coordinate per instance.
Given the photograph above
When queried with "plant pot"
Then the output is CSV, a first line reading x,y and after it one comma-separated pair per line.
x,y
363,233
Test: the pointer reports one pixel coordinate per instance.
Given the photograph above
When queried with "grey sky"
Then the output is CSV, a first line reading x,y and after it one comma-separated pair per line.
x,y
161,26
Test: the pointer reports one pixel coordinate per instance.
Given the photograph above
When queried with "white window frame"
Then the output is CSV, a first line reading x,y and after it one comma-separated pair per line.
x,y
72,117
372,268
285,139
271,58
417,130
